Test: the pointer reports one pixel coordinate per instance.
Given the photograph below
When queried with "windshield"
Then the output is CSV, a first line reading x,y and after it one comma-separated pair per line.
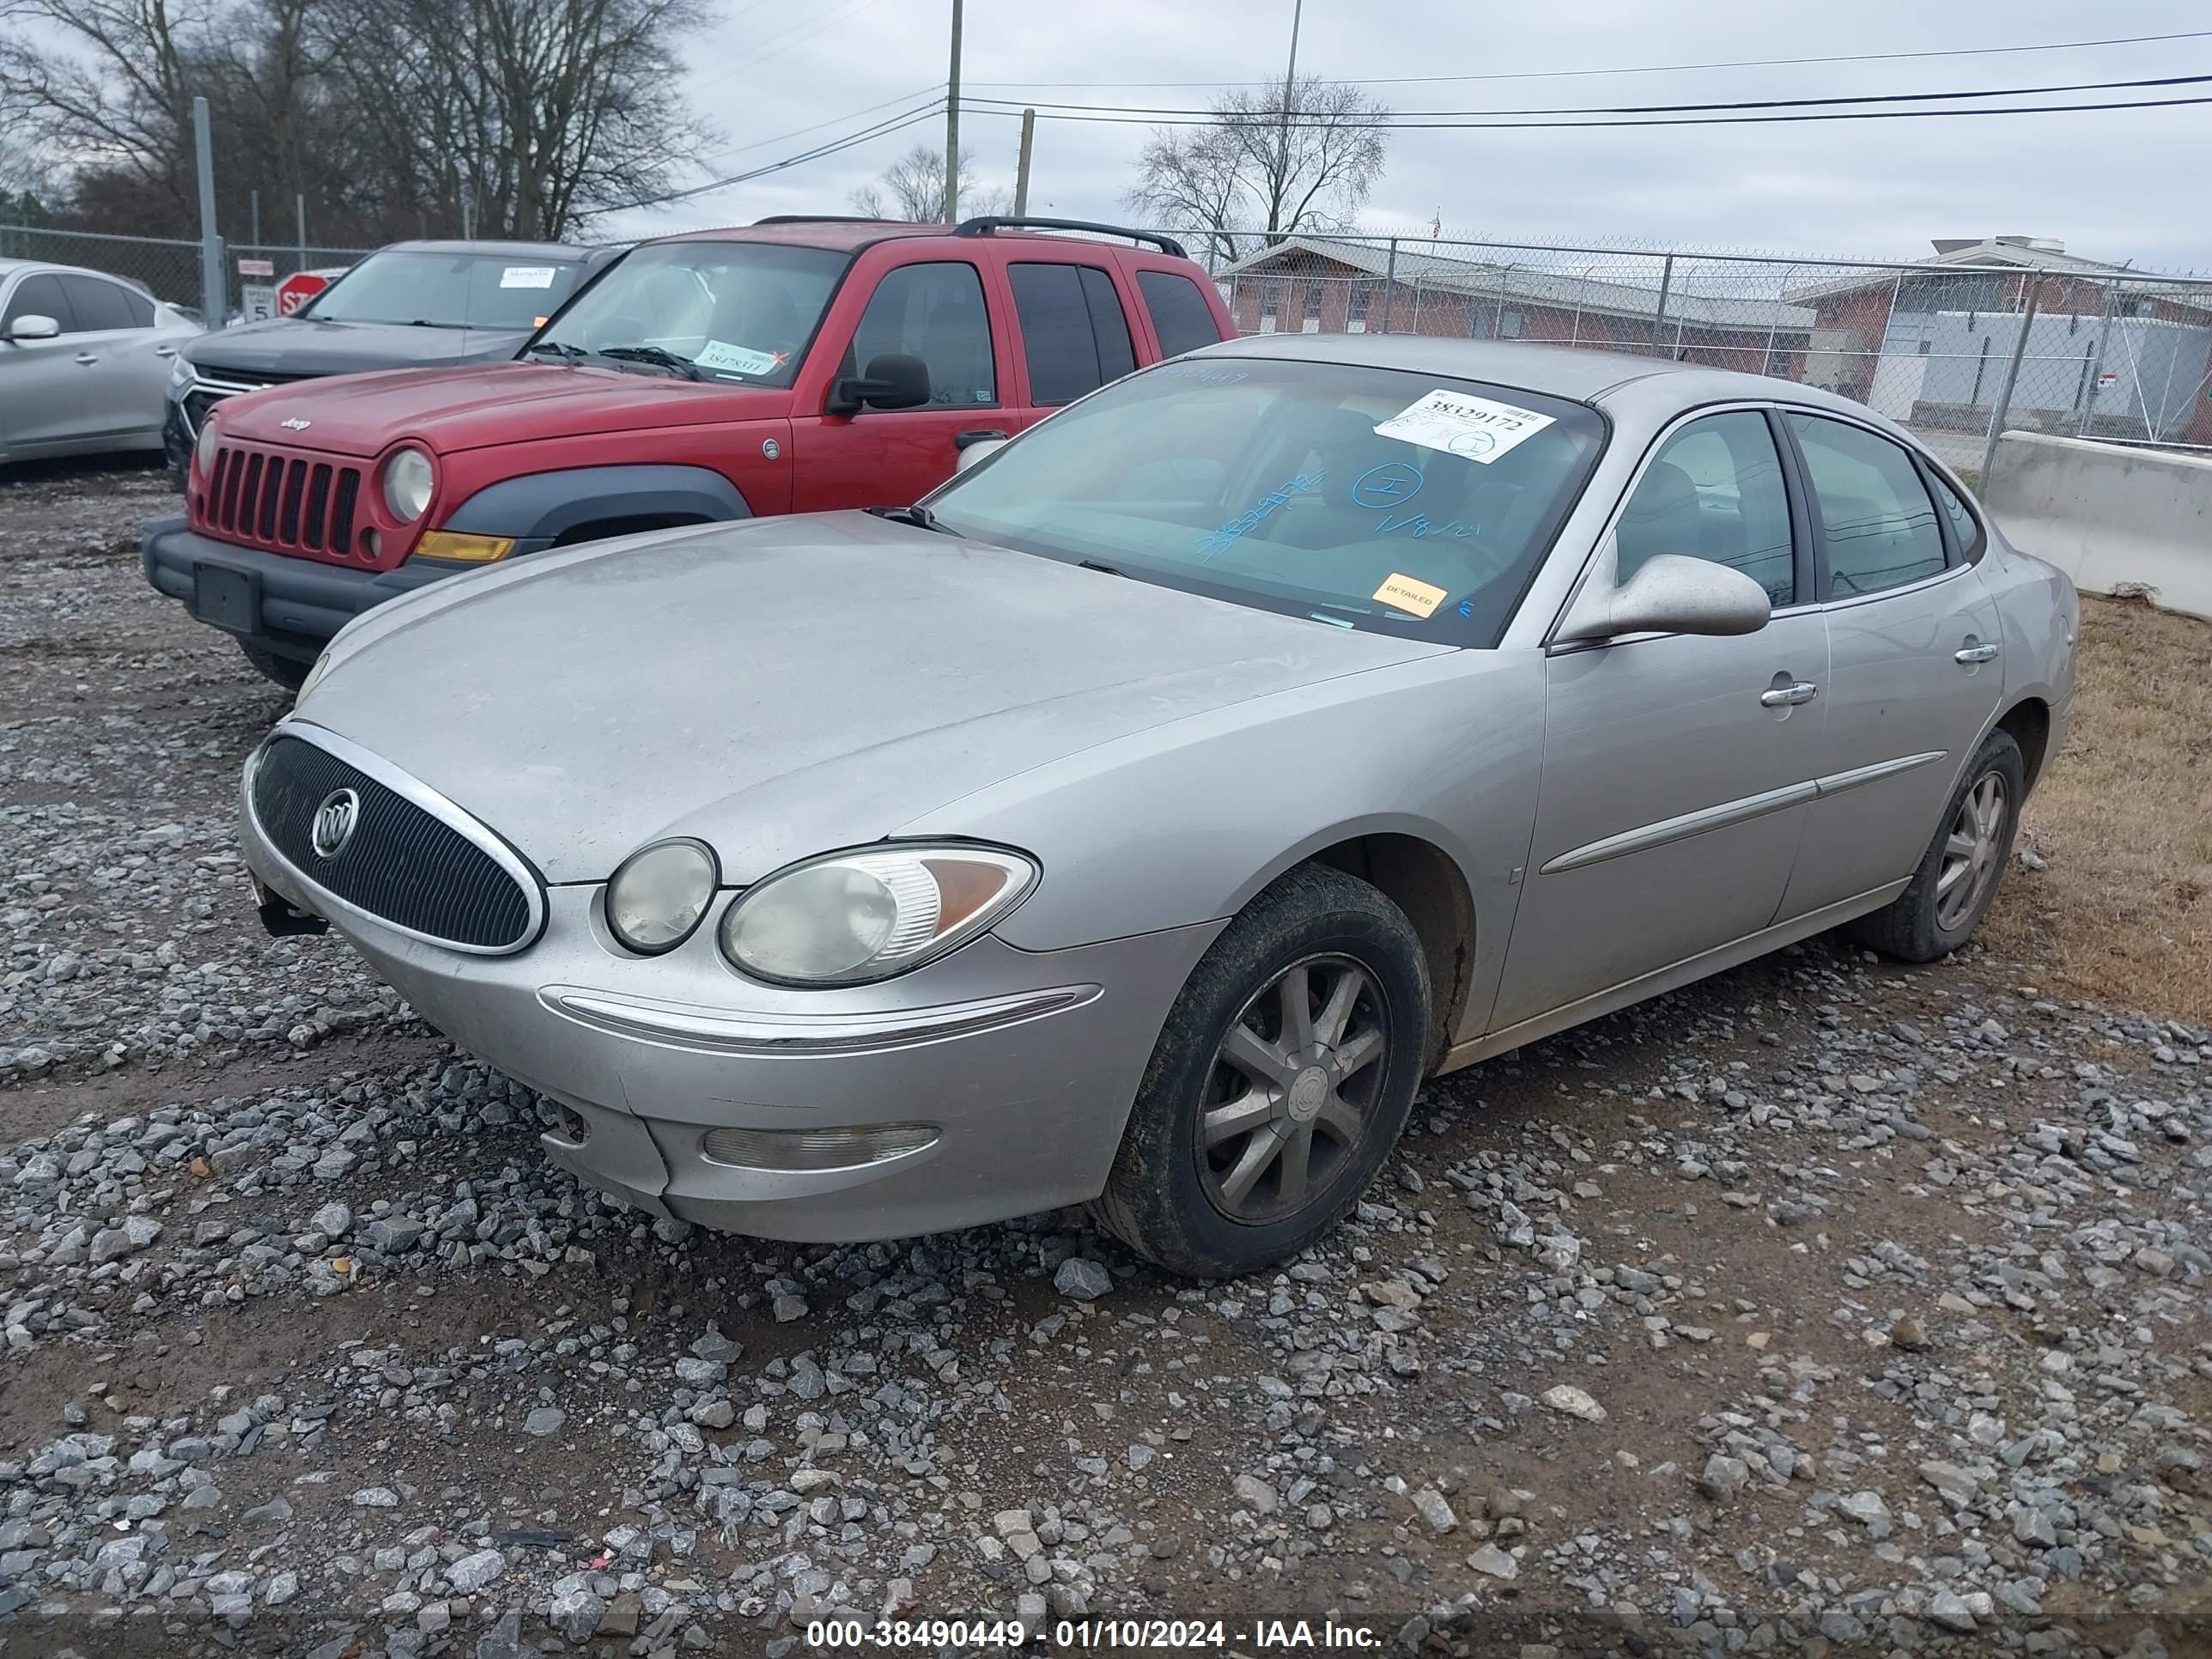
x,y
449,290
732,311
1369,498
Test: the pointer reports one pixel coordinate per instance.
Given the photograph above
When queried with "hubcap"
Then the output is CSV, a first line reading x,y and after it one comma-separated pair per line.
x,y
1971,849
1292,1089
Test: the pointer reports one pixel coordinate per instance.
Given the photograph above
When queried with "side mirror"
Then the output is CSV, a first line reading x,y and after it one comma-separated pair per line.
x,y
1671,594
982,450
893,381
32,326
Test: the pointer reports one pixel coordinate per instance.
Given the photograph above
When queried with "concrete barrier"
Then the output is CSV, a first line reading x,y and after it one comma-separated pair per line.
x,y
2114,518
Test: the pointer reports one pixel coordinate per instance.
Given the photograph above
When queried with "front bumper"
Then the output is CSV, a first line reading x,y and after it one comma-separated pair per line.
x,y
288,606
1024,1062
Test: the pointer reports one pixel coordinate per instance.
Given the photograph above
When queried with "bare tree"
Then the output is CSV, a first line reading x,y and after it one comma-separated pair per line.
x,y
912,188
1280,159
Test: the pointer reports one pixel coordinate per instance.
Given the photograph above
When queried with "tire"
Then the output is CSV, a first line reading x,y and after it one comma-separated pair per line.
x,y
286,672
1201,1210
1925,923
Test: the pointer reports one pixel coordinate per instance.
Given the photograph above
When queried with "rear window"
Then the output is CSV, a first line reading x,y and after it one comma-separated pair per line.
x,y
1181,316
1073,330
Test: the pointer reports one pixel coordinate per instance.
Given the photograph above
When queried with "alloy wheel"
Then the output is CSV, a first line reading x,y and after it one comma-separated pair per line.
x,y
1292,1090
1971,852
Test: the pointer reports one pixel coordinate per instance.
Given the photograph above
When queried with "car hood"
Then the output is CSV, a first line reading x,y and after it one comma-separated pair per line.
x,y
297,348
784,686
501,403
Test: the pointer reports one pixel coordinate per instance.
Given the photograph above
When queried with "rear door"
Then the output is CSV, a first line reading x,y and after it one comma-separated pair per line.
x,y
1075,328
129,369
1914,671
47,398
935,310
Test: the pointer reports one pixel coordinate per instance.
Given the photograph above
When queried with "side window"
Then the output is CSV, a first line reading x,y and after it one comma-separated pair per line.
x,y
1181,316
40,296
1876,518
1073,330
1714,491
1966,528
935,312
101,305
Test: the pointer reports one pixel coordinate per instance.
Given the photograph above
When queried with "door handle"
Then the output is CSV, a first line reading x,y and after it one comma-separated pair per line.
x,y
1974,654
981,435
165,351
86,357
1784,696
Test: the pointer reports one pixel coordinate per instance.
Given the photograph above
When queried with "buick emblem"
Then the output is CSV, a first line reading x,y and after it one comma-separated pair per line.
x,y
295,424
334,823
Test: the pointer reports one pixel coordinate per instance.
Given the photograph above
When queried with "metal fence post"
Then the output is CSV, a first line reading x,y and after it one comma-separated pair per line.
x,y
2011,374
1659,317
214,290
299,207
2096,365
1389,285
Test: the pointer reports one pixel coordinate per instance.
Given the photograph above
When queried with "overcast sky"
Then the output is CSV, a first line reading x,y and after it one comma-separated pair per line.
x,y
2117,185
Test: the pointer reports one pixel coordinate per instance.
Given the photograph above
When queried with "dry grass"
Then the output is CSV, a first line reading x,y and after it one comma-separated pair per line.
x,y
2123,816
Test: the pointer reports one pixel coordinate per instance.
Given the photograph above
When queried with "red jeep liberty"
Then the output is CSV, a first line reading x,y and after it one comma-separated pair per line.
x,y
792,365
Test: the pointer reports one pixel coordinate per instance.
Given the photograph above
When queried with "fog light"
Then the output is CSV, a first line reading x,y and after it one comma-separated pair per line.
x,y
816,1149
575,1128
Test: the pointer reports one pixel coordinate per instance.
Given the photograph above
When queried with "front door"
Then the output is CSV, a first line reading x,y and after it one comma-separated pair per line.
x,y
1915,672
53,393
894,457
1677,769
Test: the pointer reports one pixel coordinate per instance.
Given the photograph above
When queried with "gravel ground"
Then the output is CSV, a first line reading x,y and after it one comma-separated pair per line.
x,y
1823,1308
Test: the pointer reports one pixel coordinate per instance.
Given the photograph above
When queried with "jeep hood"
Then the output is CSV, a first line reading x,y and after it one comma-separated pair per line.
x,y
502,402
784,686
300,347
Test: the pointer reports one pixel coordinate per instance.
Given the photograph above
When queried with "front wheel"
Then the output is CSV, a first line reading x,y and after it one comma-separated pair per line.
x,y
1959,875
1280,1081
284,671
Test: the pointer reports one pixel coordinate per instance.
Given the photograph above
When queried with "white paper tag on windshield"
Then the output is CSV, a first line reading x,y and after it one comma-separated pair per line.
x,y
738,360
528,276
1462,424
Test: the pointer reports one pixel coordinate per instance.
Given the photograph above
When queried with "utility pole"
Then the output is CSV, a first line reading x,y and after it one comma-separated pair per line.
x,y
215,286
952,126
1289,82
1022,165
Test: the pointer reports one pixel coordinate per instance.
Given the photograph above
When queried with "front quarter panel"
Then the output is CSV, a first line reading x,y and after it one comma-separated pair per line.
x,y
1187,822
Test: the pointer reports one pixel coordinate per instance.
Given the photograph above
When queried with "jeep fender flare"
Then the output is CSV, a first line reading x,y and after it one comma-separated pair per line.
x,y
538,508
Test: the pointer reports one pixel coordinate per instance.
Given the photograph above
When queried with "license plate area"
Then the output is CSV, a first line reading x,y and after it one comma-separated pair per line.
x,y
227,598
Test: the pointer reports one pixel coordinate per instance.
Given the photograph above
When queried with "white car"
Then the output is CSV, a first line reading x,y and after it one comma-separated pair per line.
x,y
84,361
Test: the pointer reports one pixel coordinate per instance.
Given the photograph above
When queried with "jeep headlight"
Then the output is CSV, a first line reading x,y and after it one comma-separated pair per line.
x,y
659,894
203,450
407,481
849,918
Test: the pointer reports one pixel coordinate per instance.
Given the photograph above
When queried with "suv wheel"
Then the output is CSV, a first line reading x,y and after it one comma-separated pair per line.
x,y
1280,1081
286,672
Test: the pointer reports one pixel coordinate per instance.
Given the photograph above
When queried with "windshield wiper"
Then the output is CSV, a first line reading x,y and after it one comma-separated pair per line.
x,y
425,322
652,354
574,353
1093,564
920,517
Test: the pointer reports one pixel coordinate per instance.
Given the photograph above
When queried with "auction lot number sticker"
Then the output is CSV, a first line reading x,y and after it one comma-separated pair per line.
x,y
1206,1636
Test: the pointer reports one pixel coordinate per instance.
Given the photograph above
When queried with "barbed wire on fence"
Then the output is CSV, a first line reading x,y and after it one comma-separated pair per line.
x,y
2103,350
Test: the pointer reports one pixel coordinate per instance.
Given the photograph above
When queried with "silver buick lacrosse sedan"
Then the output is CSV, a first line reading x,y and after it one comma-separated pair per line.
x,y
1139,819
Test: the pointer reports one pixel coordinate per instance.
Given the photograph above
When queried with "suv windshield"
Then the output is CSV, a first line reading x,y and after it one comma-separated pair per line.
x,y
448,290
732,311
1369,498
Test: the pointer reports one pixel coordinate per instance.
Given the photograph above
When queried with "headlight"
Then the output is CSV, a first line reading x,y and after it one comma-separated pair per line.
x,y
203,451
658,895
851,917
314,677
407,484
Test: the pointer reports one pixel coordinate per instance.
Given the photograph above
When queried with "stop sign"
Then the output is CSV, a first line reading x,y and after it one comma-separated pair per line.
x,y
297,290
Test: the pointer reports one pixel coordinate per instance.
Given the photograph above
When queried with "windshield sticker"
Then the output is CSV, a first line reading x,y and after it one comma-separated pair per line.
x,y
1221,540
1410,594
528,276
1460,424
736,359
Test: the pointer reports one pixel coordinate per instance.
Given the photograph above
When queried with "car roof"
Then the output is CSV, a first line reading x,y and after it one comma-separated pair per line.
x,y
10,267
1571,372
497,250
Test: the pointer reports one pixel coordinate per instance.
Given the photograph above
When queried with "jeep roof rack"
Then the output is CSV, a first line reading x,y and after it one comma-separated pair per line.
x,y
824,219
984,227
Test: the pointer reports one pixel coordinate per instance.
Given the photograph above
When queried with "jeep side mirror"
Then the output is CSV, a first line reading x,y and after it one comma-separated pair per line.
x,y
33,325
893,381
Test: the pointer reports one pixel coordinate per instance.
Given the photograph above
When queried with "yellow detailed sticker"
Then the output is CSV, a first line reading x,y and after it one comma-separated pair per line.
x,y
1409,593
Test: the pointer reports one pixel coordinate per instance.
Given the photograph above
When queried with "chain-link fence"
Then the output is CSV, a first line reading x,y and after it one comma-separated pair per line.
x,y
1955,351
171,270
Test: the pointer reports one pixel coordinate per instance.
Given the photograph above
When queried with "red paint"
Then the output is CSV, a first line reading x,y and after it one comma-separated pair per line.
x,y
297,290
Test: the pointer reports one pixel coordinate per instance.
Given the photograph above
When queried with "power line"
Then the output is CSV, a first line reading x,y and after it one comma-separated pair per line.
x,y
789,37
1275,117
878,130
936,88
1648,69
1274,122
